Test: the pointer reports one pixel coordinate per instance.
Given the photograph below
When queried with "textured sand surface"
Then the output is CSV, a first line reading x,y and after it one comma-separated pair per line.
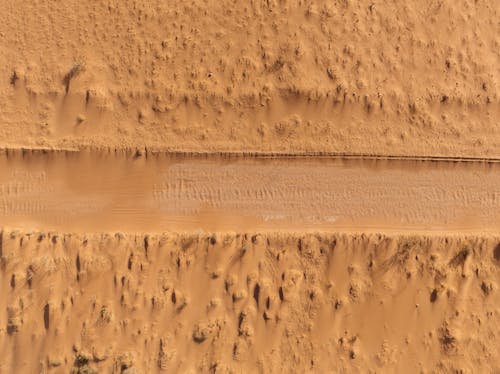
x,y
248,303
414,77
275,186
96,192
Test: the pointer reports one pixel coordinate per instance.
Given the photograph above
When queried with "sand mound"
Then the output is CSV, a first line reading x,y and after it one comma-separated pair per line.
x,y
277,302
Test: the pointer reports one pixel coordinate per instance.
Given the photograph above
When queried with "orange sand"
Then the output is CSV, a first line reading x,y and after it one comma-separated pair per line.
x,y
415,77
87,286
248,303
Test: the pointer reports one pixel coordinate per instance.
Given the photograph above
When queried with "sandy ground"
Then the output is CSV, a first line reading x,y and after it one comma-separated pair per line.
x,y
94,192
419,77
172,196
248,303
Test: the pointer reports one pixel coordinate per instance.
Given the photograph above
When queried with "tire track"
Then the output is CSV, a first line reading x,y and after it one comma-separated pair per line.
x,y
186,154
94,192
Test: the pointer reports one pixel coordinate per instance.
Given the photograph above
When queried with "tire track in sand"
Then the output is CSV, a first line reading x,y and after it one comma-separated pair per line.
x,y
138,191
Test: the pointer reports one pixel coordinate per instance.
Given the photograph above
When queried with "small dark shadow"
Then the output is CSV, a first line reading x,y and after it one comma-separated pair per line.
x,y
496,251
434,296
46,316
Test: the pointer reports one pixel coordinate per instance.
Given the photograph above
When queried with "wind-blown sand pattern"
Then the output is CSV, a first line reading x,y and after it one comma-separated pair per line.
x,y
415,77
264,186
282,302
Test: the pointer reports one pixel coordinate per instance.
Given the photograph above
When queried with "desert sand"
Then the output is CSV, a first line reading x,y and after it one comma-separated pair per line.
x,y
419,77
264,302
249,187
93,191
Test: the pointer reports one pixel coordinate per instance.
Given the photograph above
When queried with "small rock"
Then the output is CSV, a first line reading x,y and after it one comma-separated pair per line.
x,y
239,295
486,288
54,361
80,119
214,303
201,332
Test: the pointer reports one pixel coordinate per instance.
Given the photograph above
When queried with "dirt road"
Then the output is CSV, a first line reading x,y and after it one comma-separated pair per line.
x,y
102,192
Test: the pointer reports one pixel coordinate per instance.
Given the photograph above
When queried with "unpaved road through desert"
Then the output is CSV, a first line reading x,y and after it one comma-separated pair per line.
x,y
94,192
